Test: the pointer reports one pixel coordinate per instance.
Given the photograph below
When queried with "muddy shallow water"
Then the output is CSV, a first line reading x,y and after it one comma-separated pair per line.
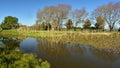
x,y
66,54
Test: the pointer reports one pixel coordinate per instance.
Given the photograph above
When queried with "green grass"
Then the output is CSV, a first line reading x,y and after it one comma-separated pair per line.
x,y
15,33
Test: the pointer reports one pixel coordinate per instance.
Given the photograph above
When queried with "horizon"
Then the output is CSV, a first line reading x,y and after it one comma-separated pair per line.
x,y
26,10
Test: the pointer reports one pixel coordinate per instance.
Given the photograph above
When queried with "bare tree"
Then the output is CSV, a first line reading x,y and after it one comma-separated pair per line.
x,y
55,24
46,15
79,16
62,13
111,13
59,12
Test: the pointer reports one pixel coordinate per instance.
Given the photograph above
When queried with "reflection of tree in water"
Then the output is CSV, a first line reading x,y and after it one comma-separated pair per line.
x,y
76,48
53,49
11,43
59,49
104,55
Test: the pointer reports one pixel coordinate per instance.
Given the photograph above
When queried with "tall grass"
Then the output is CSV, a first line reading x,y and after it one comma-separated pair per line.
x,y
104,41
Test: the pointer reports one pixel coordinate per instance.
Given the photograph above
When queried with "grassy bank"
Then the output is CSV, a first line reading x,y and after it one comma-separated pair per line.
x,y
15,33
109,42
106,41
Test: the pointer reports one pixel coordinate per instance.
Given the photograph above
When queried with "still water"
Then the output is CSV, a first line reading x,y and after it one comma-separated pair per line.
x,y
65,54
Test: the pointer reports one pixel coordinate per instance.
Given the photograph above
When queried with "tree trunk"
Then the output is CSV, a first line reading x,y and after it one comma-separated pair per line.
x,y
7,65
111,28
74,28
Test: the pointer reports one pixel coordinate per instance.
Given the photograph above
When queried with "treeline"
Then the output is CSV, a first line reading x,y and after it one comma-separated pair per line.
x,y
62,16
53,17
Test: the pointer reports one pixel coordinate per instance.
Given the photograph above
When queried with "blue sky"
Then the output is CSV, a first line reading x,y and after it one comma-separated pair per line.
x,y
26,10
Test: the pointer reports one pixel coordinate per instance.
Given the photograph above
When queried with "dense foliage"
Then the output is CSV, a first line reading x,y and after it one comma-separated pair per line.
x,y
69,24
13,58
100,22
87,24
10,23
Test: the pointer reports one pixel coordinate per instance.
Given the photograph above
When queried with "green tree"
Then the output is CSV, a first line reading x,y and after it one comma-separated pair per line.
x,y
10,23
0,28
42,26
87,24
69,24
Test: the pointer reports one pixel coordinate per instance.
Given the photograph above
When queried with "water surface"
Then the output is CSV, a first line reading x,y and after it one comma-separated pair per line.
x,y
66,54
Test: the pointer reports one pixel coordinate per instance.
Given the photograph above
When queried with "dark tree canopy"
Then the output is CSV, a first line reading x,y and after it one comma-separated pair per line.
x,y
10,23
87,24
100,22
69,24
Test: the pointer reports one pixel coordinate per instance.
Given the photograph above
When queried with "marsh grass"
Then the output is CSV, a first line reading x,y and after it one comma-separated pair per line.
x,y
106,41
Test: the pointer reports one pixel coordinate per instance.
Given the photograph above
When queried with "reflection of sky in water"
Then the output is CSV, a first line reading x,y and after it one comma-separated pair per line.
x,y
70,55
28,45
1,43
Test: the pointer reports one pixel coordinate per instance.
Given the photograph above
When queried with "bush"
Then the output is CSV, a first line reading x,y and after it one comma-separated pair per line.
x,y
16,59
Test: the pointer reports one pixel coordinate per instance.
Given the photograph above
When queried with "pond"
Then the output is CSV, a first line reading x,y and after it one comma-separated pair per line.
x,y
65,54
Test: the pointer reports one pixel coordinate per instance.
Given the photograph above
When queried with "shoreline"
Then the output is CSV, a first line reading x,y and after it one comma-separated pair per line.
x,y
105,41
